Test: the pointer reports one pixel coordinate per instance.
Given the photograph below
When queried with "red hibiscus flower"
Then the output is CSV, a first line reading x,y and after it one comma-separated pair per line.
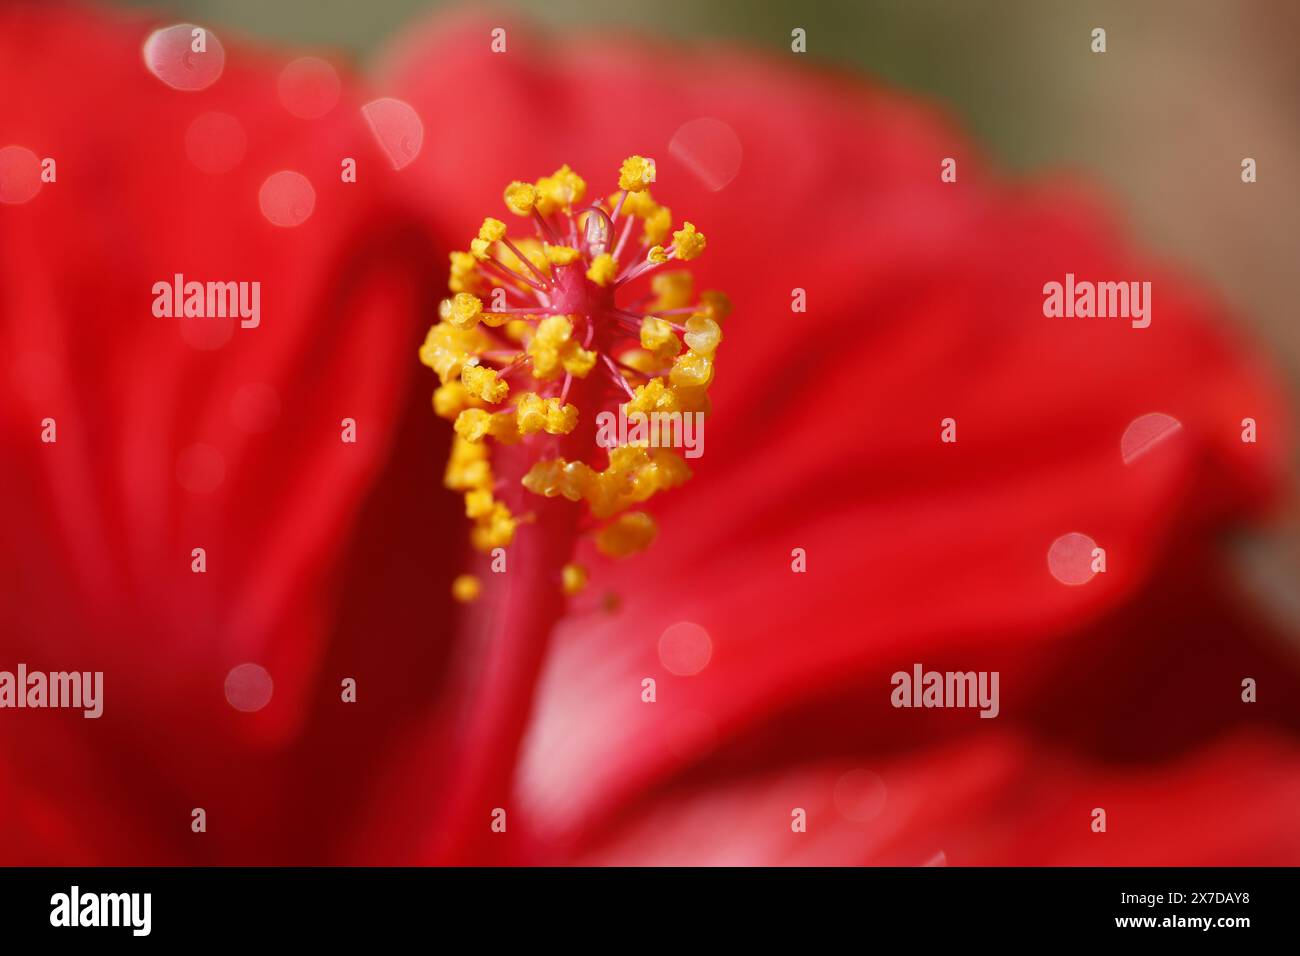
x,y
771,737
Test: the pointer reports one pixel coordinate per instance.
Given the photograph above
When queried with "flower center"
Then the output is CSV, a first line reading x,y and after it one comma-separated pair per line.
x,y
552,314
575,295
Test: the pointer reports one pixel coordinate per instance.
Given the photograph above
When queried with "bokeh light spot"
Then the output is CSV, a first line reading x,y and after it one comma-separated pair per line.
x,y
309,87
397,127
249,688
20,174
685,649
1070,558
287,198
1145,432
169,54
709,149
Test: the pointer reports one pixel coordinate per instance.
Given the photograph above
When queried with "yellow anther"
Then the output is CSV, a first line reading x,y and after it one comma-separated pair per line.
x,y
465,276
450,400
480,248
641,204
553,478
634,475
484,383
552,349
466,588
561,417
502,427
577,361
657,254
495,529
535,414
639,359
462,310
492,230
544,348
702,335
715,305
659,338
603,269
624,459
691,370
673,290
687,243
626,535
478,503
562,255
467,466
530,413
658,224
636,173
554,330
546,360
518,331
687,399
476,424
574,577
446,349
653,396
560,190
472,424
521,198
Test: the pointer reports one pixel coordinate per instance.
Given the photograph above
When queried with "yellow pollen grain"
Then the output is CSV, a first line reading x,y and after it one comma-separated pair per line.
x,y
463,311
478,503
521,198
575,579
715,304
626,535
559,191
466,588
492,230
484,383
691,369
657,225
658,337
702,335
603,269
562,255
687,242
636,174
450,400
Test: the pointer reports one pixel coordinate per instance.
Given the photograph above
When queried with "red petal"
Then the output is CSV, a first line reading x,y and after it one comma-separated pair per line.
x,y
925,302
177,434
